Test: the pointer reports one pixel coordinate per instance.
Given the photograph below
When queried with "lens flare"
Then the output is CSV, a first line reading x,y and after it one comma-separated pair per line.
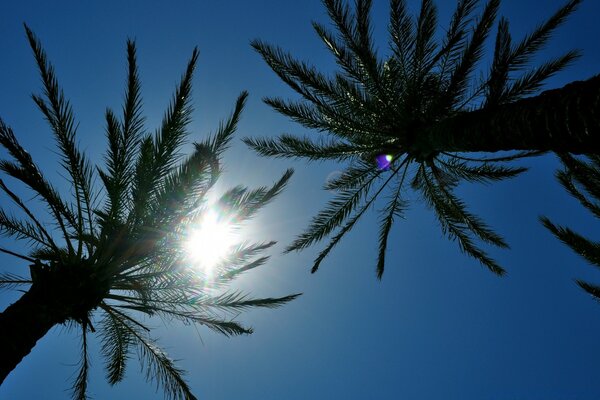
x,y
209,242
384,161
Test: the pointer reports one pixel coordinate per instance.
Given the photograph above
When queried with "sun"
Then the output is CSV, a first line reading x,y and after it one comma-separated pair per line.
x,y
209,242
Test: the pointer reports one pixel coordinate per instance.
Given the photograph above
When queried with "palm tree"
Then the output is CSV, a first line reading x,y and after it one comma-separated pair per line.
x,y
410,116
581,179
100,266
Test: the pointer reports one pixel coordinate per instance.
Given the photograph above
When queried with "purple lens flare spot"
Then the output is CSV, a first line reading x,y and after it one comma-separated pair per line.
x,y
384,161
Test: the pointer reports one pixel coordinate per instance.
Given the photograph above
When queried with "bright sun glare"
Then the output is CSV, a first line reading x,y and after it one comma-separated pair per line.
x,y
209,242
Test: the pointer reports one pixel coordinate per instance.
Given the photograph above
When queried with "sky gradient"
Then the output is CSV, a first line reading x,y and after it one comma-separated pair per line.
x,y
437,326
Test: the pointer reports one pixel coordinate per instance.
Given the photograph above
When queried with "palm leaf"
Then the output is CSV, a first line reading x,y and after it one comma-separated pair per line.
x,y
59,115
532,43
593,290
157,365
425,45
580,245
10,281
79,388
473,52
292,147
123,142
581,179
395,208
483,173
332,216
26,171
508,59
349,224
158,155
116,341
242,204
456,221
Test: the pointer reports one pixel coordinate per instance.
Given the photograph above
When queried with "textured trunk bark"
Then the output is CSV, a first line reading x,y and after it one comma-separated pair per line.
x,y
22,324
561,120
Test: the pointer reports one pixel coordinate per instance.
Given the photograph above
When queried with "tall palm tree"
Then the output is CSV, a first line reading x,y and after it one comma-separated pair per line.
x,y
409,117
113,254
581,179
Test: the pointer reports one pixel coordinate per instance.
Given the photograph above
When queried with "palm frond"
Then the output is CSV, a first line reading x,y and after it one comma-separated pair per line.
x,y
472,53
350,222
232,273
425,45
18,255
454,42
580,173
593,290
157,365
26,171
21,230
324,119
79,389
514,156
532,43
334,214
580,245
116,341
532,81
220,141
59,114
241,204
184,189
123,142
132,123
394,208
35,231
483,173
159,154
288,146
237,301
357,37
340,51
456,221
351,177
581,179
509,59
10,281
499,73
243,252
567,181
458,209
305,80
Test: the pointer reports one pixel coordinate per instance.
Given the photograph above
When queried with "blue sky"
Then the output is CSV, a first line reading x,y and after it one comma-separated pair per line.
x,y
437,326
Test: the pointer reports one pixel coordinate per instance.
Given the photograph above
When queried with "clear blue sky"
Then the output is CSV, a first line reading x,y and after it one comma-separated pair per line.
x,y
437,326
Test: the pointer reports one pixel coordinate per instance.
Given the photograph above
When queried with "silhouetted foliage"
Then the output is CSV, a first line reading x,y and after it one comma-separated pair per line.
x,y
405,119
114,253
581,178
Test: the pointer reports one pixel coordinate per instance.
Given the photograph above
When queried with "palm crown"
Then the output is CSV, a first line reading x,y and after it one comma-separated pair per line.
x,y
407,118
103,266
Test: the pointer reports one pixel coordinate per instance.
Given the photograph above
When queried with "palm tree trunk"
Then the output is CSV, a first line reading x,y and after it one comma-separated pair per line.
x,y
22,324
560,120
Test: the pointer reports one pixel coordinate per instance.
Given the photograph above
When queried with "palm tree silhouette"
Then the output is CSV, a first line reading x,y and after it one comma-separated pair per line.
x,y
101,265
408,118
